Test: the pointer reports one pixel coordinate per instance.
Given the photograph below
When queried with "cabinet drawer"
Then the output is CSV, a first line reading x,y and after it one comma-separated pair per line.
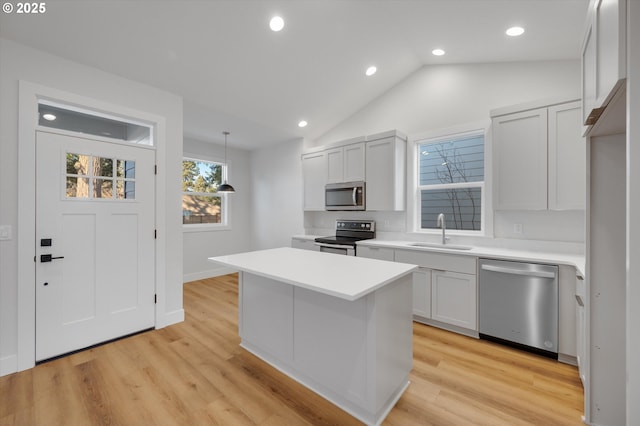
x,y
381,253
446,262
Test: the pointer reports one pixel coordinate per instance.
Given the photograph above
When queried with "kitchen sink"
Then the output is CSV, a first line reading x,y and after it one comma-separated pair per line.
x,y
440,246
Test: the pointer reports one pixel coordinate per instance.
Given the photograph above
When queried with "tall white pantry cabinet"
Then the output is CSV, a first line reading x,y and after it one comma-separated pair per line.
x,y
539,157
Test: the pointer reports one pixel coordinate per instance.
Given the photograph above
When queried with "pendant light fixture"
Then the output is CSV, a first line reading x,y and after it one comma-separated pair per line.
x,y
225,187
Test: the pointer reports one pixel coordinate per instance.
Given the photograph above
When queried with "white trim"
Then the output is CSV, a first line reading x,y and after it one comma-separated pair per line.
x,y
8,365
29,94
169,318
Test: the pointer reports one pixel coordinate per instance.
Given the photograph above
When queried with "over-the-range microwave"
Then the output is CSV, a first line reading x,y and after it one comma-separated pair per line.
x,y
345,196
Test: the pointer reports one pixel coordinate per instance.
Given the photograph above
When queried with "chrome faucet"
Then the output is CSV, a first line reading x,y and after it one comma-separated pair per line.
x,y
441,223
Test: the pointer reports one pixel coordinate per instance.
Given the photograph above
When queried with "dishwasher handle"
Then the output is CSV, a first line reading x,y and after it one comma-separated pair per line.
x,y
538,274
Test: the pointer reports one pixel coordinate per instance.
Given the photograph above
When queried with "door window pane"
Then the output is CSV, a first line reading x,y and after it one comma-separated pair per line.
x,y
77,187
102,167
102,188
125,190
77,164
126,169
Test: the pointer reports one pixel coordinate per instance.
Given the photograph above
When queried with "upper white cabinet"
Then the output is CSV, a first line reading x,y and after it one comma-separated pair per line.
x,y
539,158
386,178
520,155
567,155
346,163
379,160
314,174
603,56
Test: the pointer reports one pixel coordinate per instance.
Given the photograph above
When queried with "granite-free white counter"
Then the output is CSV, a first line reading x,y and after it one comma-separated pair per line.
x,y
346,277
578,261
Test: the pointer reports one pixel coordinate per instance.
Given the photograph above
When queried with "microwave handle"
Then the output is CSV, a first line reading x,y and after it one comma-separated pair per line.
x,y
353,196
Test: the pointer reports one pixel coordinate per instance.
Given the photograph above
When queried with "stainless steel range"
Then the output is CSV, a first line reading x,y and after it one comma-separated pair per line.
x,y
348,233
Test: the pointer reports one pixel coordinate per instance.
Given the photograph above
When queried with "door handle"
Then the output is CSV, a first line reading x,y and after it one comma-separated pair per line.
x,y
48,258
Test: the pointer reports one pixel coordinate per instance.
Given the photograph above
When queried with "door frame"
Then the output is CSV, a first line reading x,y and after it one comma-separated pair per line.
x,y
29,94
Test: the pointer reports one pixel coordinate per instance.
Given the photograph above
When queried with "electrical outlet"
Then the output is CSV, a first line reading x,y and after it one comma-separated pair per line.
x,y
517,228
5,232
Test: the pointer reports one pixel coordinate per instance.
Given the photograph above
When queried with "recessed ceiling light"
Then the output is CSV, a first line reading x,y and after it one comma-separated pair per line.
x,y
371,71
302,124
438,52
49,117
276,23
515,31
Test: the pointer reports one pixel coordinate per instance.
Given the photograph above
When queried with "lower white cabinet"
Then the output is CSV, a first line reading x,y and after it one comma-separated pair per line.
x,y
447,296
453,299
581,329
305,244
422,293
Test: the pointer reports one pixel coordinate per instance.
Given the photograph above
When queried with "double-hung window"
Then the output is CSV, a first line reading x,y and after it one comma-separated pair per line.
x,y
201,202
450,180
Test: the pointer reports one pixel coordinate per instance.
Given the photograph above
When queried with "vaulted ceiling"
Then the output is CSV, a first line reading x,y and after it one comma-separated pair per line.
x,y
235,74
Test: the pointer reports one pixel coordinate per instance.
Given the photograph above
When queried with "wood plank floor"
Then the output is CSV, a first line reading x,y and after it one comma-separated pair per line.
x,y
194,373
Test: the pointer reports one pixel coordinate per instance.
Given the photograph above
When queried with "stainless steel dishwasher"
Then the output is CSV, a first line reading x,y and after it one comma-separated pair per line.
x,y
518,305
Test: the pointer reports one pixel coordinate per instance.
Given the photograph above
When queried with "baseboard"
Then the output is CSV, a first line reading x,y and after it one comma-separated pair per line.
x,y
170,318
195,276
8,365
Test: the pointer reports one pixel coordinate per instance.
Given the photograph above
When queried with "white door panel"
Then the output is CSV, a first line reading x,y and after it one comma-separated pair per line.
x,y
102,227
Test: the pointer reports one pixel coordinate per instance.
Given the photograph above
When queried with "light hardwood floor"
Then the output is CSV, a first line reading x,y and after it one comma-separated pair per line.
x,y
194,373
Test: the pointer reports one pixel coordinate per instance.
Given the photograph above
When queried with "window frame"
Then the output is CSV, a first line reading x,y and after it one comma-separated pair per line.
x,y
415,189
224,198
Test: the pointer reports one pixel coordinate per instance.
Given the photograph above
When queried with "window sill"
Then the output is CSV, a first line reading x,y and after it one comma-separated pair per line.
x,y
205,228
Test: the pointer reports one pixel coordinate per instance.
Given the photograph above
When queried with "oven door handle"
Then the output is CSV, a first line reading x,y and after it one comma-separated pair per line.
x,y
353,196
336,246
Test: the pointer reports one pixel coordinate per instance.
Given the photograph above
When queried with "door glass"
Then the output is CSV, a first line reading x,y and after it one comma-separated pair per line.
x,y
125,190
77,187
102,166
126,169
102,188
100,182
77,164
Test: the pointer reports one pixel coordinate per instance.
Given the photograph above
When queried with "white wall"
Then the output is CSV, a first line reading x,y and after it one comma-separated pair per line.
x,y
18,62
633,213
447,96
276,176
199,245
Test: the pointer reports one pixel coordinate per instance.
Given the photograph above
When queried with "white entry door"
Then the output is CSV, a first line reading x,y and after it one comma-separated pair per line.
x,y
94,242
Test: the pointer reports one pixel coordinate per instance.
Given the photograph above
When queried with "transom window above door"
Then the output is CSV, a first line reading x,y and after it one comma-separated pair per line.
x,y
93,123
94,177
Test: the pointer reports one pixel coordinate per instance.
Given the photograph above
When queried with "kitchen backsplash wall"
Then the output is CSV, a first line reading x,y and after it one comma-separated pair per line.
x,y
556,228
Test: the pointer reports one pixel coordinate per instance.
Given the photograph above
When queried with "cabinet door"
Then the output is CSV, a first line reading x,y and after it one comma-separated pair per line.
x,y
354,162
335,165
589,70
567,158
611,47
314,174
422,293
520,157
385,167
453,299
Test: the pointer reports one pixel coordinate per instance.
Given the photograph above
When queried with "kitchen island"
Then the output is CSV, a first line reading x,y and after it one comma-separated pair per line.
x,y
340,325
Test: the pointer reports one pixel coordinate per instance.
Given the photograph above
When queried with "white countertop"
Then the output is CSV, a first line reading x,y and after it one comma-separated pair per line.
x,y
575,260
346,277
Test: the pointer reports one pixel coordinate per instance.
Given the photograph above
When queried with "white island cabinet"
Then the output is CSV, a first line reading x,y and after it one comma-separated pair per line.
x,y
340,325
